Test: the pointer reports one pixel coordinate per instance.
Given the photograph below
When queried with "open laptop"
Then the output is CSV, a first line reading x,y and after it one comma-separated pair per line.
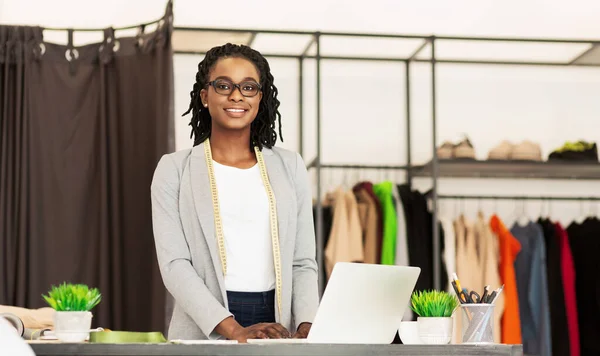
x,y
362,304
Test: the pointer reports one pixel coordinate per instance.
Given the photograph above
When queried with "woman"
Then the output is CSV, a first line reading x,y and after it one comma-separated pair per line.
x,y
232,216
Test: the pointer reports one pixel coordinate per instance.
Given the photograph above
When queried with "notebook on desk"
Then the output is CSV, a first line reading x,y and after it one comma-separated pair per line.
x,y
362,304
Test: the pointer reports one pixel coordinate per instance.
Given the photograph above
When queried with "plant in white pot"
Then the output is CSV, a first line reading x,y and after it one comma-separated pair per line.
x,y
434,309
73,318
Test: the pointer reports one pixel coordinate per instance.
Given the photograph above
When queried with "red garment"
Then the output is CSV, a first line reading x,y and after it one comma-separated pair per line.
x,y
568,277
368,187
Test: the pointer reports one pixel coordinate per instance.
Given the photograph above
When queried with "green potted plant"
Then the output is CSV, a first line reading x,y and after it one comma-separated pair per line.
x,y
73,304
434,309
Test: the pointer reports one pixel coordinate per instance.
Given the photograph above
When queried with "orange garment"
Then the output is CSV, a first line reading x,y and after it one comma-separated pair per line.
x,y
509,249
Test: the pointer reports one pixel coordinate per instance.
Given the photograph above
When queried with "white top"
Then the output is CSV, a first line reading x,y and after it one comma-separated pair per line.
x,y
244,209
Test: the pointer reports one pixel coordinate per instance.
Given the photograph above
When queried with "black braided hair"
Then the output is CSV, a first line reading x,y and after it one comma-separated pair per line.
x,y
262,129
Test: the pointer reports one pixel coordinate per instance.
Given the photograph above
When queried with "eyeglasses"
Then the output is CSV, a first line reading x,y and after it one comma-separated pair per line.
x,y
226,87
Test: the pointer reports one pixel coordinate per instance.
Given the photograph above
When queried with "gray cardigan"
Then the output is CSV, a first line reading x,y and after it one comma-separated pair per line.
x,y
187,250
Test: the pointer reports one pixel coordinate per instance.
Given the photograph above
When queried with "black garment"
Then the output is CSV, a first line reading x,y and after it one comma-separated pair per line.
x,y
327,222
420,237
556,297
249,308
585,246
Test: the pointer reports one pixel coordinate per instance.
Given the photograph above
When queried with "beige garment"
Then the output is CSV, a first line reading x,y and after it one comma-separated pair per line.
x,y
42,318
468,268
489,255
369,225
345,239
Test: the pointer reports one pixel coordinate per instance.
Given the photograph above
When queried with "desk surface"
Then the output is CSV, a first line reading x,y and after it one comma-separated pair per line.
x,y
55,349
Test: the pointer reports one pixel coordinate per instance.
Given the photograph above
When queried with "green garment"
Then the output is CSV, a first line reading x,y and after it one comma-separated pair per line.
x,y
383,191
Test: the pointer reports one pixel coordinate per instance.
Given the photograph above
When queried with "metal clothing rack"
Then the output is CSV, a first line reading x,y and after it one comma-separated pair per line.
x,y
198,40
190,41
517,197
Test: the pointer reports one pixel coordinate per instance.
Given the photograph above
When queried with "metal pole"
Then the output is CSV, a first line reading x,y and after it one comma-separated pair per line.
x,y
436,233
300,104
320,239
408,133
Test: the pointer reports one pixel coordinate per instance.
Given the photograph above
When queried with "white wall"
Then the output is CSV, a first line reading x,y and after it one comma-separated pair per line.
x,y
363,102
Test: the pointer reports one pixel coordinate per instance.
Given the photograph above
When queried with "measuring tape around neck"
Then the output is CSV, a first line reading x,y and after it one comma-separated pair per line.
x,y
272,216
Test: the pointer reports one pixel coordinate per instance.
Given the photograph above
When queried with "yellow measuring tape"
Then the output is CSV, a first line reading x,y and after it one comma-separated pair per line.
x,y
272,216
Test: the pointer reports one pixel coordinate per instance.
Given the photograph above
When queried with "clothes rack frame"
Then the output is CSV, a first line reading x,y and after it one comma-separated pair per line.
x,y
517,197
198,40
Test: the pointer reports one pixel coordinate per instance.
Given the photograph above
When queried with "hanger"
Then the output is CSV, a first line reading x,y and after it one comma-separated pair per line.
x,y
521,216
582,215
592,210
479,209
542,206
495,205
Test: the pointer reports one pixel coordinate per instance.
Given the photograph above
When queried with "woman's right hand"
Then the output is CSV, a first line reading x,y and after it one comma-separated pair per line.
x,y
260,331
234,331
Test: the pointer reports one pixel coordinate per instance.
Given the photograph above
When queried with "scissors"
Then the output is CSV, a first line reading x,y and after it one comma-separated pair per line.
x,y
468,296
474,297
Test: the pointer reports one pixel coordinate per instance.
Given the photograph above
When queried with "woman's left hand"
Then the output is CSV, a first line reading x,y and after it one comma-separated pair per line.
x,y
302,332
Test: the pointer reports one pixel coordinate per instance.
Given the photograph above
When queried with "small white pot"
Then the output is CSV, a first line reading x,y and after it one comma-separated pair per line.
x,y
72,326
409,333
436,331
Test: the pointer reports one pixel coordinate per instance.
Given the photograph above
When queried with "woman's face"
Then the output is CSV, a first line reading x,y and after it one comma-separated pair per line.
x,y
230,107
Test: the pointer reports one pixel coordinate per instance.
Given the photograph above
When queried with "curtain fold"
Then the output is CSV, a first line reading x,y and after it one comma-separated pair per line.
x,y
81,131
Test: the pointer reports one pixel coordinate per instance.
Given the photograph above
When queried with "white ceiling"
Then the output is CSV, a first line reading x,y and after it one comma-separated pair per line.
x,y
532,18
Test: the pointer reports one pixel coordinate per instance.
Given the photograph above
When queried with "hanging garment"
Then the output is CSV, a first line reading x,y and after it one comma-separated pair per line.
x,y
327,223
419,226
530,268
468,267
556,298
383,190
509,249
345,240
489,256
370,221
585,244
401,258
449,255
449,258
420,249
370,246
567,268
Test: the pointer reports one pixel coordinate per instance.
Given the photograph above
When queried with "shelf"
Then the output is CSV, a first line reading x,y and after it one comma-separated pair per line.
x,y
512,169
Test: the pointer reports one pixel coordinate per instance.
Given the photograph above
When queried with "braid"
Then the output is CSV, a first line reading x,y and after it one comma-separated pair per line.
x,y
262,129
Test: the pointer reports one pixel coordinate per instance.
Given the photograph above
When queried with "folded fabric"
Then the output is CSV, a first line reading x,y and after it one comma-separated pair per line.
x,y
524,151
127,337
502,151
462,150
41,318
575,151
527,151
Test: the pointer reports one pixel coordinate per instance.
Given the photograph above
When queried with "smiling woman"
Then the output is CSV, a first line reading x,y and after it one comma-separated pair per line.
x,y
233,215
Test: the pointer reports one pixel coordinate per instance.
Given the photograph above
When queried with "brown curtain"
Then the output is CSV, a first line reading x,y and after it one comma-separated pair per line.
x,y
81,131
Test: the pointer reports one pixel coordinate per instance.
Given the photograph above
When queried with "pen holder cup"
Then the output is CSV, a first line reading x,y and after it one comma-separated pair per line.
x,y
477,323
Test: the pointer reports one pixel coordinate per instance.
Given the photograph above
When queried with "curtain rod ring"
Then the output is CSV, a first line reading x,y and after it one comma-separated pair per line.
x,y
71,54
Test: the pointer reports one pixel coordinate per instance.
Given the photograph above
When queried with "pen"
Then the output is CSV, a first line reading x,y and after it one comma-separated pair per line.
x,y
457,292
467,296
456,281
491,297
485,293
498,294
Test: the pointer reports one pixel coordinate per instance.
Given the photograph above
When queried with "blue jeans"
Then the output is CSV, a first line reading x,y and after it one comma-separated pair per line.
x,y
251,308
